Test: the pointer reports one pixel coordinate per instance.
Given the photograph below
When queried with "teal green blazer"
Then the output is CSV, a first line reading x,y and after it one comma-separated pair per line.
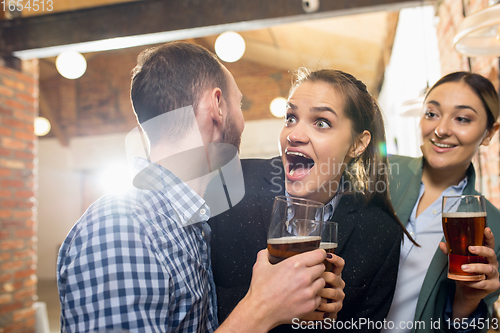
x,y
404,187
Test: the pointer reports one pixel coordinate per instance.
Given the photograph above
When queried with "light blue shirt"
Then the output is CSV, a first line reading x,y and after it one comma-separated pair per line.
x,y
329,207
414,261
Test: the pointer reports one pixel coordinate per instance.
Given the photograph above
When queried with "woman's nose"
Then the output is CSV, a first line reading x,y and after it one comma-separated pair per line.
x,y
442,130
298,135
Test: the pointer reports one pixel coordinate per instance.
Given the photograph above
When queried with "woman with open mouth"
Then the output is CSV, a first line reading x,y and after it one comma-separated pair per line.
x,y
332,151
459,115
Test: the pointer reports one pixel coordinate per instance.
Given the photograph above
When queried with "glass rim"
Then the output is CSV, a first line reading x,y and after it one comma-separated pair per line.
x,y
464,195
333,222
311,220
300,201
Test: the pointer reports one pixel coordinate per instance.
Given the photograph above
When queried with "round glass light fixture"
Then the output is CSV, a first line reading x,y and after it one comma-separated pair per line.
x,y
71,64
278,107
479,33
42,126
230,46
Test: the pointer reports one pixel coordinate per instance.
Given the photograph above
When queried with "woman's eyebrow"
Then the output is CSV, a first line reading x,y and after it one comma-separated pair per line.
x,y
460,107
323,108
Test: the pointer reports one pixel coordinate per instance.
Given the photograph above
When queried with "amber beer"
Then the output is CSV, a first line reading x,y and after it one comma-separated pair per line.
x,y
285,247
462,230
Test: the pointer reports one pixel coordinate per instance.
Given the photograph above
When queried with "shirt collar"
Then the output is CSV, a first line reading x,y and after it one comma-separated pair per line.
x,y
170,191
329,207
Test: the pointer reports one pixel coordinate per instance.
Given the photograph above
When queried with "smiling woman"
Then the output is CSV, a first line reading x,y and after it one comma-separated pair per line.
x,y
460,114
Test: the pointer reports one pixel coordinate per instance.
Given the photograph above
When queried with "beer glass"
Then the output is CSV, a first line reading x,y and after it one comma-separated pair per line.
x,y
295,227
329,242
464,220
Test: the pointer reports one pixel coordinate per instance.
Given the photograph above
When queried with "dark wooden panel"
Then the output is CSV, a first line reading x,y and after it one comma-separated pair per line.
x,y
151,16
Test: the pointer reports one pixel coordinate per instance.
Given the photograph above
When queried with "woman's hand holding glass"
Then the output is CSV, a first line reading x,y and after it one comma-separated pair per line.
x,y
469,294
332,295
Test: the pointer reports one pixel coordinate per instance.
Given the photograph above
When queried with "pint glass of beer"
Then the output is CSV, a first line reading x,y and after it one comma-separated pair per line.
x,y
295,227
464,220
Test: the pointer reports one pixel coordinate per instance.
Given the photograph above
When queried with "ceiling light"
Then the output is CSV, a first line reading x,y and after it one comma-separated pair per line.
x,y
42,126
278,107
479,33
230,46
71,64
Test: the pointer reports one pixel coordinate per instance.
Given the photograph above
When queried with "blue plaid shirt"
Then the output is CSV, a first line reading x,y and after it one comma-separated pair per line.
x,y
139,262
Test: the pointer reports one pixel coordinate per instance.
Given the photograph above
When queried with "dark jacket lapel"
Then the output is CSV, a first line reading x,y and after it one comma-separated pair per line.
x,y
343,215
273,184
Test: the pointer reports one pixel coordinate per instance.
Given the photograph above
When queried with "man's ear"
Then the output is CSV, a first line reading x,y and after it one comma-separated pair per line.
x,y
490,133
360,145
216,106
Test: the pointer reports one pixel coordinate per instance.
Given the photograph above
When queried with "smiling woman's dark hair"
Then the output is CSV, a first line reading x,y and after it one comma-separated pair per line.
x,y
368,172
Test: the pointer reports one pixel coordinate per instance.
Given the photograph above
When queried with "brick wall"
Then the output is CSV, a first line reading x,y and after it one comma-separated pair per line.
x,y
18,108
451,13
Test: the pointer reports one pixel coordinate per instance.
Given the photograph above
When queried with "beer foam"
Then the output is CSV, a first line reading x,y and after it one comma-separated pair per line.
x,y
293,239
464,214
327,246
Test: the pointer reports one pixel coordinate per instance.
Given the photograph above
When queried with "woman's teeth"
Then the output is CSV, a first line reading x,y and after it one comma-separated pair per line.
x,y
442,145
296,153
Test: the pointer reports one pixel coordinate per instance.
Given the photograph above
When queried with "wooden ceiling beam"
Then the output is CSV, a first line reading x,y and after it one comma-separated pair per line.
x,y
187,18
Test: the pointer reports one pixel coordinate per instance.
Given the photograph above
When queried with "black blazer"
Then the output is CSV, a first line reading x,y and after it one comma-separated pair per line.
x,y
369,242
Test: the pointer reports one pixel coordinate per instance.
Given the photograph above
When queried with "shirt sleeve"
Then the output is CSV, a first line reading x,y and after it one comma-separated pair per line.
x,y
476,322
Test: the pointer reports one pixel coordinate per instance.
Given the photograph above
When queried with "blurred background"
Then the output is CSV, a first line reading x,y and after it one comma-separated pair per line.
x,y
47,180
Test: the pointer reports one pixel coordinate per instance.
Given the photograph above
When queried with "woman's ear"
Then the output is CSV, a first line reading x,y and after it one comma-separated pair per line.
x,y
362,142
490,133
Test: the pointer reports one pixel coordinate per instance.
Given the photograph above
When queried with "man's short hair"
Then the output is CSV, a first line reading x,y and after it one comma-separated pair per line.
x,y
172,76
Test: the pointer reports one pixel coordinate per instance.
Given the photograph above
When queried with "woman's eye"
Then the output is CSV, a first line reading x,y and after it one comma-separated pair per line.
x,y
463,120
429,114
290,119
322,123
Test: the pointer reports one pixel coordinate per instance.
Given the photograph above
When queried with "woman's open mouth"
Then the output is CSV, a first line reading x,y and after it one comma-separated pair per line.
x,y
298,165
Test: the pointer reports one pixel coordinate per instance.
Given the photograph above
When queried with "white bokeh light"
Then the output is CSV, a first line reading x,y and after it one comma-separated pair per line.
x,y
71,64
278,107
115,179
230,46
42,126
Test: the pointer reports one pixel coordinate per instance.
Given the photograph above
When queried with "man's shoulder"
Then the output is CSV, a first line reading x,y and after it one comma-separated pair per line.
x,y
112,204
107,212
